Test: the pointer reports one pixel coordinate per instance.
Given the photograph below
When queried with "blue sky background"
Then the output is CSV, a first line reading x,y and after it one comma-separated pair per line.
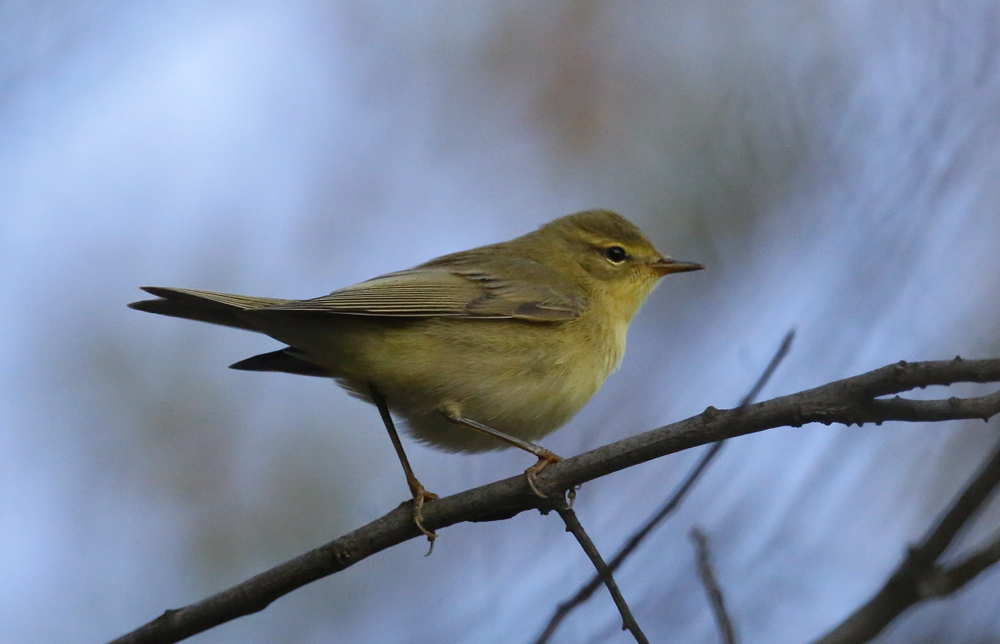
x,y
834,164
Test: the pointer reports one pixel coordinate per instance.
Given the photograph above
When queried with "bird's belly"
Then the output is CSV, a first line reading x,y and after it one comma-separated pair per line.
x,y
521,381
522,378
526,408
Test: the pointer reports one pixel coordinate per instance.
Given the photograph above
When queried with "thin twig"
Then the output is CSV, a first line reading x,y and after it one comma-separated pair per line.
x,y
772,366
711,584
843,401
587,590
919,577
573,525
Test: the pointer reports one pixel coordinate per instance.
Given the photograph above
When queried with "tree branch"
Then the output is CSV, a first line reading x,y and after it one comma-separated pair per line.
x,y
918,577
845,401
946,581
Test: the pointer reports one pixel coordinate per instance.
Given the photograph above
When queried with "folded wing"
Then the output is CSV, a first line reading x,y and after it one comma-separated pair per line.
x,y
448,292
512,288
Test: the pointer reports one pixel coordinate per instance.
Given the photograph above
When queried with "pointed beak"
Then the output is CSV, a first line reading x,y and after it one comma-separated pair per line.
x,y
665,266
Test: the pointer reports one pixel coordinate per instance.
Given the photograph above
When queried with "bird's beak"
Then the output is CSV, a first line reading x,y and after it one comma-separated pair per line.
x,y
665,266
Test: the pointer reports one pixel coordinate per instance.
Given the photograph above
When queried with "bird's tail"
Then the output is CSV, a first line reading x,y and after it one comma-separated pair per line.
x,y
287,360
204,306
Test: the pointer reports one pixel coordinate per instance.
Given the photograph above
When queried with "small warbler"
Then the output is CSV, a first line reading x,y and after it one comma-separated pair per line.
x,y
478,350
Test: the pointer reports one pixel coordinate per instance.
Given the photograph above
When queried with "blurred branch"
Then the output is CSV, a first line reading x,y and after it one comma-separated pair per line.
x,y
573,526
846,401
707,576
919,577
633,542
944,582
772,366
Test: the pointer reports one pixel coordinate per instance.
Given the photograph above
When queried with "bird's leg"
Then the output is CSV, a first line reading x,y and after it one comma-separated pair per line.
x,y
453,413
420,495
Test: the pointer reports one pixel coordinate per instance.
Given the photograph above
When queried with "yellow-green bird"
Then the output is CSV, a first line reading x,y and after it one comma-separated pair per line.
x,y
477,350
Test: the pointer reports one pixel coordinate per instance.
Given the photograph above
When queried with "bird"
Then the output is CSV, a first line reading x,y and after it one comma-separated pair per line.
x,y
478,350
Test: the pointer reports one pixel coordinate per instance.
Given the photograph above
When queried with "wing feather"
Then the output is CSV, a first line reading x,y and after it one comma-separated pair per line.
x,y
452,291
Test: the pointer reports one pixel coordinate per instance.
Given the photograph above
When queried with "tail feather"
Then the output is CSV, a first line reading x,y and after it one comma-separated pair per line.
x,y
204,306
287,360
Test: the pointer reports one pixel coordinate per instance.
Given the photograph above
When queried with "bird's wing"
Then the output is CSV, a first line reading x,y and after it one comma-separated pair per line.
x,y
453,291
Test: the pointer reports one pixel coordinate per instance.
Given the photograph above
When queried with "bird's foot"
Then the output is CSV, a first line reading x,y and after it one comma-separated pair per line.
x,y
421,496
545,457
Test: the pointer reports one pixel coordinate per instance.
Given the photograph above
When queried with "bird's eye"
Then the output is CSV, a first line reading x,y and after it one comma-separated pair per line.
x,y
615,254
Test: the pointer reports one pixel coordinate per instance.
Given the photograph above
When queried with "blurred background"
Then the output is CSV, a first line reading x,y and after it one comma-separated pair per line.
x,y
834,164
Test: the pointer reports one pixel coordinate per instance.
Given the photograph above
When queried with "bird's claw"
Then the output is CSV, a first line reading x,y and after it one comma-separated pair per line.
x,y
544,459
421,496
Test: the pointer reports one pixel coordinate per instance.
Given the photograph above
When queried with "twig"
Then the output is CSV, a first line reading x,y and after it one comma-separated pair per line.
x,y
772,366
845,401
573,525
712,588
587,590
919,577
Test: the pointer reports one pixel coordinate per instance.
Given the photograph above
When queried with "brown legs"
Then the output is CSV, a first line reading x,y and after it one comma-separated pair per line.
x,y
420,495
454,414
